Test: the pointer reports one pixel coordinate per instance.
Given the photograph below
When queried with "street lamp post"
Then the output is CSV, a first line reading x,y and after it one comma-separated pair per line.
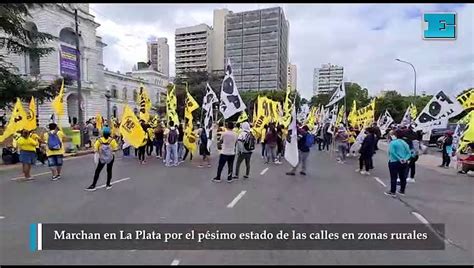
x,y
414,71
107,96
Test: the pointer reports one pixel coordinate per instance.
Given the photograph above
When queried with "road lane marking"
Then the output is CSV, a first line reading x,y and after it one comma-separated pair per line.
x,y
236,199
35,175
175,262
380,181
264,171
2,217
420,217
114,182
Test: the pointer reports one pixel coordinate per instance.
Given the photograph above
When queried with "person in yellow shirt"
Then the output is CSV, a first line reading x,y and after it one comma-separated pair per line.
x,y
27,146
105,146
39,153
54,150
262,139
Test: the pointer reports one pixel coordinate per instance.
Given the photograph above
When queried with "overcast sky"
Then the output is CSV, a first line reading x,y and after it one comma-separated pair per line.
x,y
363,38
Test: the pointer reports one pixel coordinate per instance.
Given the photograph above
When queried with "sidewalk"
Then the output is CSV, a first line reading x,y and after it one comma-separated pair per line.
x,y
4,167
428,161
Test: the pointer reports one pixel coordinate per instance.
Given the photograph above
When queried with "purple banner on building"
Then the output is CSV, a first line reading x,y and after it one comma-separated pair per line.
x,y
68,59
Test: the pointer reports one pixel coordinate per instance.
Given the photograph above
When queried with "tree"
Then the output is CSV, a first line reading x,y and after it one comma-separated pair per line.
x,y
20,40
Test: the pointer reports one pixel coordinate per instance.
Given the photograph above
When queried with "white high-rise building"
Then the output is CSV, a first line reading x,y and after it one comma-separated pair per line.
x,y
218,40
327,78
292,76
193,48
158,55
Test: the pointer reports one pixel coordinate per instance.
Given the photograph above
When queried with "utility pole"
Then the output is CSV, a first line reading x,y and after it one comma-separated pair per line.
x,y
78,71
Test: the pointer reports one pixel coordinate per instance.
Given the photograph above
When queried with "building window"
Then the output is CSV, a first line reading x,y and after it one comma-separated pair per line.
x,y
32,63
67,36
135,95
125,93
114,91
114,111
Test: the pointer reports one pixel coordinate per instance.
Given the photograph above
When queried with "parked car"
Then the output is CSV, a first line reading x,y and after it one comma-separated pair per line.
x,y
438,133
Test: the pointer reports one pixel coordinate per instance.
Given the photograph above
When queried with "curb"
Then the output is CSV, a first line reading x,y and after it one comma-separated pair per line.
x,y
4,167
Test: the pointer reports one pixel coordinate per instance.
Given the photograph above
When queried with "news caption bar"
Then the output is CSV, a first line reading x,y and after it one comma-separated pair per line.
x,y
48,236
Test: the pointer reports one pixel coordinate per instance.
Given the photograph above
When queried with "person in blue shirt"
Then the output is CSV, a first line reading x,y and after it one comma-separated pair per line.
x,y
398,156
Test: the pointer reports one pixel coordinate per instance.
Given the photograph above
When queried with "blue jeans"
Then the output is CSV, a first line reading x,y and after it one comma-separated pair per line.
x,y
180,150
172,153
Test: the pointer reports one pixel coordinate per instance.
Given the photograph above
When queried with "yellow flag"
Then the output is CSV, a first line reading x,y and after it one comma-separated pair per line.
x,y
413,111
130,128
145,104
243,117
352,118
311,118
467,99
287,109
17,121
189,139
58,102
340,116
99,122
468,134
31,116
171,105
366,115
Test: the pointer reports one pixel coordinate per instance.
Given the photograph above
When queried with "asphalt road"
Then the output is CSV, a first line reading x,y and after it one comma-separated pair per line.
x,y
330,193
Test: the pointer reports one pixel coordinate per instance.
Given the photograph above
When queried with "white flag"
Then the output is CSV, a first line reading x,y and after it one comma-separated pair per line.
x,y
437,112
406,120
333,118
338,95
231,102
291,144
457,136
384,122
208,111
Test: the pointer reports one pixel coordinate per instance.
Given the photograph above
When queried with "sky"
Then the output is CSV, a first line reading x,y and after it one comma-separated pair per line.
x,y
363,38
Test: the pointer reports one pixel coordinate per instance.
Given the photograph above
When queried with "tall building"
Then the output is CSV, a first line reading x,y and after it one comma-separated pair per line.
x,y
292,76
218,39
256,43
158,55
327,78
193,48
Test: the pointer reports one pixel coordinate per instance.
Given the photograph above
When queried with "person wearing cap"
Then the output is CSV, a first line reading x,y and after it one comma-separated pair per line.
x,y
105,146
447,149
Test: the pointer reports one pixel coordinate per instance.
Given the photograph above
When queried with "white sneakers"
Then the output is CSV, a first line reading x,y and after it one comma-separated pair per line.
x,y
411,180
363,172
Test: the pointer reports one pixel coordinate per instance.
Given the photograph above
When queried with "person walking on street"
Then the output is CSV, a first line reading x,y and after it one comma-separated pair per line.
x,y
447,149
27,146
245,147
341,140
271,139
303,151
54,150
327,136
280,143
262,140
142,148
398,155
378,135
203,151
181,148
159,136
415,153
105,146
41,156
228,141
149,144
171,138
367,151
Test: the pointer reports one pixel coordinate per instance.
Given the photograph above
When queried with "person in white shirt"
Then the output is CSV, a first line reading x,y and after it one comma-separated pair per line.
x,y
228,141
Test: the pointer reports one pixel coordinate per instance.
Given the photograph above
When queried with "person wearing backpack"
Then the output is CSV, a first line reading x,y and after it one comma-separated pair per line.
x,y
54,150
171,138
245,147
304,145
105,146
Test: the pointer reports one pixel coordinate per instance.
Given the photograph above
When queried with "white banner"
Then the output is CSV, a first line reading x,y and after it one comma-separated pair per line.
x,y
338,95
231,102
406,120
437,112
291,145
